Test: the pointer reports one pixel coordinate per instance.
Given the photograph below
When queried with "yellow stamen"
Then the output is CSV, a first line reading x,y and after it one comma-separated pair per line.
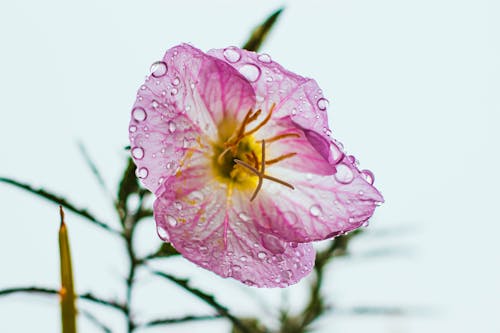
x,y
259,126
281,158
283,136
261,173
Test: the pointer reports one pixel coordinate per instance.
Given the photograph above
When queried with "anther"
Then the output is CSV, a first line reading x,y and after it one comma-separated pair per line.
x,y
283,136
259,126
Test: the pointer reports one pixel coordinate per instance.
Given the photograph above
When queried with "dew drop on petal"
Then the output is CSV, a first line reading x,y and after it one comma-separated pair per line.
x,y
368,175
287,275
197,196
132,128
261,255
171,220
139,114
337,154
265,58
344,174
250,71
158,69
172,127
174,91
323,104
272,243
138,153
162,233
236,268
176,81
243,258
142,173
249,283
244,217
232,55
178,205
315,210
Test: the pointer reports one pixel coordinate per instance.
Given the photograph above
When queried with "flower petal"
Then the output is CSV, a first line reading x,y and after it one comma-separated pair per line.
x,y
294,97
182,101
208,224
320,207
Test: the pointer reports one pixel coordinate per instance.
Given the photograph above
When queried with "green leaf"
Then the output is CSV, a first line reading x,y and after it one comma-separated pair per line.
x,y
260,32
60,201
67,292
128,185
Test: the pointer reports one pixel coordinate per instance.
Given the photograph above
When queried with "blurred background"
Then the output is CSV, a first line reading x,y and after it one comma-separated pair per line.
x,y
413,89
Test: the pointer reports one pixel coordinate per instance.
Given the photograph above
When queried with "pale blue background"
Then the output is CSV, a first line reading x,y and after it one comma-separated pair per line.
x,y
413,87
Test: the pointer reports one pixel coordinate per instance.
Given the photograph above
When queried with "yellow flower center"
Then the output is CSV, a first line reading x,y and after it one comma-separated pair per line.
x,y
239,160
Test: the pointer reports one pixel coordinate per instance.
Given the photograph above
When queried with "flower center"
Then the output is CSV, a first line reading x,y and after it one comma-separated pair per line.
x,y
239,159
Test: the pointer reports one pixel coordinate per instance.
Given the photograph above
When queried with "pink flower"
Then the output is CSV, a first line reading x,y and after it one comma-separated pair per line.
x,y
238,153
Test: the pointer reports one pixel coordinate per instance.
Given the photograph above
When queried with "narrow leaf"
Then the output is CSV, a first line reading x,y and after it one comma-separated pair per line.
x,y
128,185
208,299
60,201
67,292
93,168
260,33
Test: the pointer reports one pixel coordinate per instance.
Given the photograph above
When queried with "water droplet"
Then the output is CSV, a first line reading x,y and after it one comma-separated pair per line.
x,y
229,253
158,69
261,255
344,174
132,128
265,58
273,244
236,268
323,104
176,81
309,176
174,91
243,258
160,180
162,233
171,220
287,275
139,114
197,196
172,127
142,173
244,217
178,205
368,175
336,154
155,104
138,153
290,218
249,283
269,79
294,112
232,54
250,71
315,210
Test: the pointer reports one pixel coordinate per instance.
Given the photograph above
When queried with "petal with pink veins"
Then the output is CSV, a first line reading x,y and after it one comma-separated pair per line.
x,y
210,225
182,101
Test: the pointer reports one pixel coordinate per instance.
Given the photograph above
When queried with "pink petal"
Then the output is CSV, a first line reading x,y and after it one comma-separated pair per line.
x,y
294,97
195,214
320,207
187,94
